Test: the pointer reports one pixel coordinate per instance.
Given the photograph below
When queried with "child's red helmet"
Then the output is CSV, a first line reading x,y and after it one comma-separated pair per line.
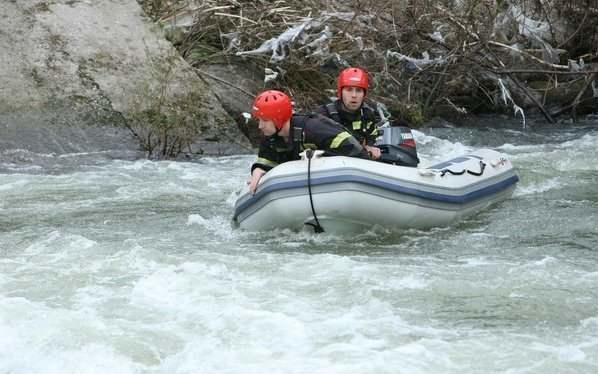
x,y
355,77
272,105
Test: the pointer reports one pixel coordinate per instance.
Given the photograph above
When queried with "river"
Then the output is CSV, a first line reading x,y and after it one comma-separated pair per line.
x,y
132,266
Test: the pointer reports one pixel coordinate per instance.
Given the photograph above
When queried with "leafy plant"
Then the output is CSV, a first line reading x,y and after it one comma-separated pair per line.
x,y
166,114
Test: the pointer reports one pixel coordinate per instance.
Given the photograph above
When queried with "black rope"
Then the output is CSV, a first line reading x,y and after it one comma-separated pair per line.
x,y
443,172
477,174
482,167
317,227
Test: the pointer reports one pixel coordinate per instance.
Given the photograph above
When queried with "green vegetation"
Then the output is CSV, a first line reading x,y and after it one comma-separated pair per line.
x,y
166,112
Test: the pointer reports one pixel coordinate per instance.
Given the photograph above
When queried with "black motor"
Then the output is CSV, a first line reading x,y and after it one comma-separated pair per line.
x,y
397,146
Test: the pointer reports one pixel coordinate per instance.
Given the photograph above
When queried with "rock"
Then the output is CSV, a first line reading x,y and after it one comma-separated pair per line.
x,y
79,63
235,86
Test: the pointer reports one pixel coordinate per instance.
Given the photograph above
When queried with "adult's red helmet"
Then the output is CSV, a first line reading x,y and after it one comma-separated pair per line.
x,y
272,105
355,77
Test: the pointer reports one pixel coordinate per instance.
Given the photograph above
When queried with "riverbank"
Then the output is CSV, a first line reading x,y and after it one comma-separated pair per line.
x,y
83,76
38,140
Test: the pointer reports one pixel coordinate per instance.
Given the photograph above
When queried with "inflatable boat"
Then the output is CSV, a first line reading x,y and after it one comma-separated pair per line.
x,y
347,194
340,194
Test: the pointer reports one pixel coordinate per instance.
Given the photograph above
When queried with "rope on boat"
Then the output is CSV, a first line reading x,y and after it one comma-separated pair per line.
x,y
476,173
444,171
317,227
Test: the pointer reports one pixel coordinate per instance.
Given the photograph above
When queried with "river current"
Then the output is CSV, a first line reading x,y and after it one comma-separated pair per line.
x,y
114,266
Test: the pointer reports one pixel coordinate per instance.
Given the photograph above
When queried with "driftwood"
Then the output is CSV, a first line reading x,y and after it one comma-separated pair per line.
x,y
211,76
422,56
578,98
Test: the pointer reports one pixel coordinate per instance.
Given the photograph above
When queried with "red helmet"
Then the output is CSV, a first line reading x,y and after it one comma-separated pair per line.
x,y
355,77
272,105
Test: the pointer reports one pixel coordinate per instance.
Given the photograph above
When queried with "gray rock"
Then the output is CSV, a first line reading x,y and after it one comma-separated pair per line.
x,y
69,63
235,85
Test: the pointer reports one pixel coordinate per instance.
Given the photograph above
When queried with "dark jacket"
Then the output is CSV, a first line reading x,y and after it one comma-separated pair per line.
x,y
361,124
311,131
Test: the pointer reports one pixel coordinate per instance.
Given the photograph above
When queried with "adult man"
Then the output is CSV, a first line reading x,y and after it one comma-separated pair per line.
x,y
286,135
350,110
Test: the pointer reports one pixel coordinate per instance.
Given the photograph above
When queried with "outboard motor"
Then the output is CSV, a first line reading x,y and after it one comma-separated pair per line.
x,y
397,146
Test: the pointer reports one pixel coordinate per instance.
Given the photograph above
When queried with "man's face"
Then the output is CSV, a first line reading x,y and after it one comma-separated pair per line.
x,y
352,97
267,127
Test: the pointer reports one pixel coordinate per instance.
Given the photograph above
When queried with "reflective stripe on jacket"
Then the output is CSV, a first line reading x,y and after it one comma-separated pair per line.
x,y
361,124
308,131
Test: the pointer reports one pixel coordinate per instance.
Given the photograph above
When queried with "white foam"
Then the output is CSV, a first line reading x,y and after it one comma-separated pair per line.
x,y
59,246
220,226
42,339
20,168
540,187
591,322
571,163
477,262
16,185
545,261
522,148
136,165
72,155
120,295
196,219
586,142
412,282
232,197
90,358
564,353
21,151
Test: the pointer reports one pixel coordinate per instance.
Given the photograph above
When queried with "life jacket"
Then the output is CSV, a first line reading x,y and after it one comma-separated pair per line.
x,y
297,134
363,127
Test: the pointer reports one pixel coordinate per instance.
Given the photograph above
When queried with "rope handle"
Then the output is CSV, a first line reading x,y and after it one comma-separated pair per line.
x,y
476,173
482,168
309,154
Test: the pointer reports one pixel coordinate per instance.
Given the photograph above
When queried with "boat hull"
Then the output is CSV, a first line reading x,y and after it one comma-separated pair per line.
x,y
351,194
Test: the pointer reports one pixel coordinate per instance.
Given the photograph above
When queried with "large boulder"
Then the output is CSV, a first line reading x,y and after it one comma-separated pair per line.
x,y
235,85
78,64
